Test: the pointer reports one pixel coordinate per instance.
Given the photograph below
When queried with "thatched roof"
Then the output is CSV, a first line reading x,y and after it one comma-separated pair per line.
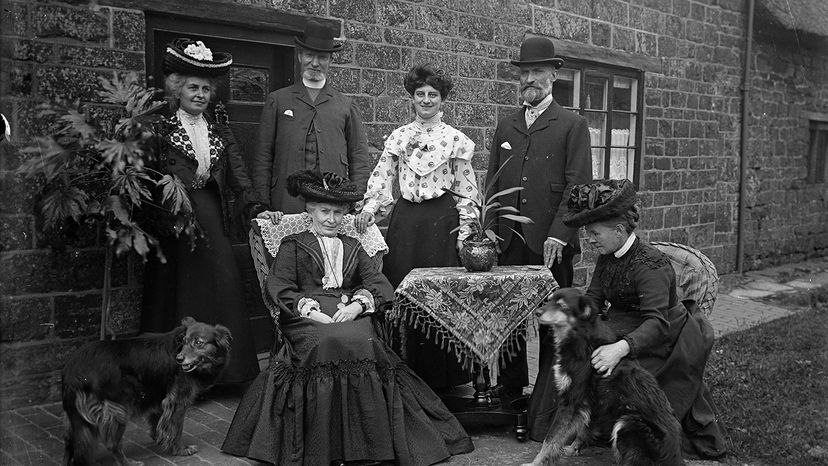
x,y
808,16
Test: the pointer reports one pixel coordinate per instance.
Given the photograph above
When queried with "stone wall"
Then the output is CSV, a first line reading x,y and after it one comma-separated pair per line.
x,y
49,299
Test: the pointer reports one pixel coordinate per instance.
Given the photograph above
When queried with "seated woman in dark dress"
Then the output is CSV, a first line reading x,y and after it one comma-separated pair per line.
x,y
335,391
653,326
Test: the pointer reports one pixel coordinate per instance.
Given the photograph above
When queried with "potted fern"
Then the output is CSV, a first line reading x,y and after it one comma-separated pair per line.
x,y
93,171
479,251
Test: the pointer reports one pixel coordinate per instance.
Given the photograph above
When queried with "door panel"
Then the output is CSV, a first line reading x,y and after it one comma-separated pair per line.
x,y
263,61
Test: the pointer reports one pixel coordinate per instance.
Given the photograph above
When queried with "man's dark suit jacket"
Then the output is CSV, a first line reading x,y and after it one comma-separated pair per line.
x,y
283,129
547,160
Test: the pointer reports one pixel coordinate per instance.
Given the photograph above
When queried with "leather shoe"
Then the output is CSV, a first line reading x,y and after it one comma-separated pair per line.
x,y
502,391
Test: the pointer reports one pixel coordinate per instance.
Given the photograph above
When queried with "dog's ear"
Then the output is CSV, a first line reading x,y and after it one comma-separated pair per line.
x,y
588,307
223,337
187,321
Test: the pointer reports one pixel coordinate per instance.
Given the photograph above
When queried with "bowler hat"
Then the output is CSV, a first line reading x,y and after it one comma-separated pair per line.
x,y
538,50
318,37
193,58
599,200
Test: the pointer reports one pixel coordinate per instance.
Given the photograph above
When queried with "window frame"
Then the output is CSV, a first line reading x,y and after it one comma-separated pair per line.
x,y
817,159
582,68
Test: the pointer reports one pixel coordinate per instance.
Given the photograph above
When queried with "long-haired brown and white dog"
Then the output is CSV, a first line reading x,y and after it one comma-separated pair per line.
x,y
106,383
629,401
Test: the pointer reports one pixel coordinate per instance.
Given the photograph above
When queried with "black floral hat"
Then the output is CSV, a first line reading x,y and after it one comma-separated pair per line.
x,y
322,187
599,200
193,58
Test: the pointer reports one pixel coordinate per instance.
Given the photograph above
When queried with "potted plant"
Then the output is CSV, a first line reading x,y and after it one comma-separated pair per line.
x,y
480,248
93,171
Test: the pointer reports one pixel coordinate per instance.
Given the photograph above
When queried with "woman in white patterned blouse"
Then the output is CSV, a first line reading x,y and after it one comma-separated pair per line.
x,y
424,159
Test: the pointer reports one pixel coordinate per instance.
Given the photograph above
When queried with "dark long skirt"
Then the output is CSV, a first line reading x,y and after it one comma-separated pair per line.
x,y
204,284
679,375
338,392
419,236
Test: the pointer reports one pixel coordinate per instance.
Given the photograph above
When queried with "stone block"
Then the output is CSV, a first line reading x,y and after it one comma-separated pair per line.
x,y
15,79
394,13
81,24
345,55
470,90
15,19
359,31
601,34
125,310
358,10
507,72
377,133
404,38
623,39
648,20
562,26
365,106
55,82
25,318
611,11
346,80
16,232
393,110
394,84
445,44
17,194
504,93
24,360
476,28
100,58
440,61
472,47
475,114
311,7
78,315
510,34
26,123
26,50
646,44
577,7
373,82
16,392
437,21
652,219
378,56
128,30
46,272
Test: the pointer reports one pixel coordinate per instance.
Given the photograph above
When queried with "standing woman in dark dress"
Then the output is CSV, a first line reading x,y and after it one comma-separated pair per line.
x,y
653,326
200,278
424,158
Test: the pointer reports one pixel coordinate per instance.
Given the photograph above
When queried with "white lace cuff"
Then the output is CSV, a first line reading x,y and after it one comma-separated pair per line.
x,y
306,305
366,298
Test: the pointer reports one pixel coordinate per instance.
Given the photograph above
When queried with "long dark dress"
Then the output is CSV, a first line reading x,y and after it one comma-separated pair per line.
x,y
666,338
419,236
201,282
337,391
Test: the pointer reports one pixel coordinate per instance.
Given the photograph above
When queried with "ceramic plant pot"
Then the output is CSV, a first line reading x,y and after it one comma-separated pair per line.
x,y
478,256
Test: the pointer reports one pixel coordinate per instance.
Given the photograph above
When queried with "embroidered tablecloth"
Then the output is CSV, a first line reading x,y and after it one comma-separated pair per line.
x,y
472,314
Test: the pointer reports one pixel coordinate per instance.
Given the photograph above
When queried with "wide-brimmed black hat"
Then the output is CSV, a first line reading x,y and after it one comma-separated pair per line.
x,y
538,50
599,200
318,37
322,187
193,58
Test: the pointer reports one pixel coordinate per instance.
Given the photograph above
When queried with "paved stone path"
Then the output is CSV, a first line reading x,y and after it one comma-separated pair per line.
x,y
34,435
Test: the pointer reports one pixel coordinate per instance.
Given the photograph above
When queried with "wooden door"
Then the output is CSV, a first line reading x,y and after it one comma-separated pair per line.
x,y
263,61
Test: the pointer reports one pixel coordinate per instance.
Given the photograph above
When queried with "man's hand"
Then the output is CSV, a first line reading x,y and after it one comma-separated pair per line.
x,y
552,252
349,312
363,220
274,216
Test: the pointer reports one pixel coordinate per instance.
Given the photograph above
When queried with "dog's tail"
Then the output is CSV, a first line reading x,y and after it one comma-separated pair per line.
x,y
638,441
95,428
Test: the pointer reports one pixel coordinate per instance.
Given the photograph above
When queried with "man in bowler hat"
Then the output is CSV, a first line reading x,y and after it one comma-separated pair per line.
x,y
309,126
546,151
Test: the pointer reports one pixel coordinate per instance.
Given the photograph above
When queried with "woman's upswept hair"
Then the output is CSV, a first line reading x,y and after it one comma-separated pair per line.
x,y
173,83
422,75
629,219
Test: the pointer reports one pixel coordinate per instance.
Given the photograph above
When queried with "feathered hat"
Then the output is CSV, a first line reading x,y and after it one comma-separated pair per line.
x,y
322,187
193,58
599,200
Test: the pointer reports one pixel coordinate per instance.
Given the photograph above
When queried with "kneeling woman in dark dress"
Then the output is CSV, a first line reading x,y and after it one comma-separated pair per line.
x,y
652,325
200,279
335,391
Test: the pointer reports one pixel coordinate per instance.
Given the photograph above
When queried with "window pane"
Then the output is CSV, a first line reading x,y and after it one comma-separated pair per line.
x,y
248,84
622,140
595,91
597,140
624,94
565,88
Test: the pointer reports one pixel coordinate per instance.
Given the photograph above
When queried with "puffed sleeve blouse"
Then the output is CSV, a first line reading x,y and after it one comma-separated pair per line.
x,y
427,159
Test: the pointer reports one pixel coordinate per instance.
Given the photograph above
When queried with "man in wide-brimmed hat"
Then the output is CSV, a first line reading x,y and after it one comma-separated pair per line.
x,y
549,150
309,126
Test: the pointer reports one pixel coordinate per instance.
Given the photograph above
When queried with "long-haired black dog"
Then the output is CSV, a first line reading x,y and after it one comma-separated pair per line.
x,y
106,383
629,401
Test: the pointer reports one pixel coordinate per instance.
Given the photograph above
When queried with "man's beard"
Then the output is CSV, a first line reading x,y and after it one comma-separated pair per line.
x,y
313,75
533,95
